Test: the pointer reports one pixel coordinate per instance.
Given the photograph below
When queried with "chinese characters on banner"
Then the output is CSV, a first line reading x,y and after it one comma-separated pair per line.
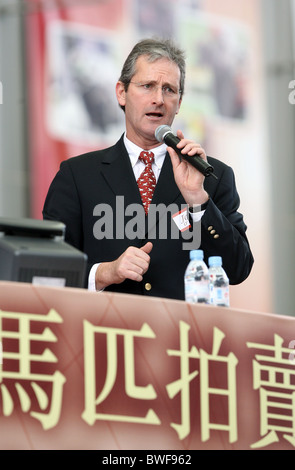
x,y
122,372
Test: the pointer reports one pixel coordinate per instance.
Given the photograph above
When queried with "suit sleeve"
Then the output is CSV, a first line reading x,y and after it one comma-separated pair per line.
x,y
62,204
223,230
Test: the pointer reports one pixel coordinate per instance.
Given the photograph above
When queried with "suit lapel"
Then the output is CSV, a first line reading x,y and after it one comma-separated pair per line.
x,y
165,194
117,171
166,190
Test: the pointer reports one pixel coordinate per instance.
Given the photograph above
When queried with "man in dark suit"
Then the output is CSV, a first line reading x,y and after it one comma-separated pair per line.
x,y
97,197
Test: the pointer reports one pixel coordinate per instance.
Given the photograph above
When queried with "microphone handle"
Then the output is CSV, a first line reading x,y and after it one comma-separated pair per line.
x,y
196,161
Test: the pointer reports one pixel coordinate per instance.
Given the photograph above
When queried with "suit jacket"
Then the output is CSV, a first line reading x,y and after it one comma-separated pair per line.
x,y
94,193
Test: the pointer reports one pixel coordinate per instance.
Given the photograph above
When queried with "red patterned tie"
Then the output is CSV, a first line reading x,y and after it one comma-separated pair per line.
x,y
147,181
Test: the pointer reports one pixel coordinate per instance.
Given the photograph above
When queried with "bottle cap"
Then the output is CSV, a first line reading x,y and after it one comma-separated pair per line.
x,y
215,261
197,254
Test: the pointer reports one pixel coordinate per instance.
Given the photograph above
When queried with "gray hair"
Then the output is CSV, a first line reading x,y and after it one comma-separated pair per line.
x,y
153,49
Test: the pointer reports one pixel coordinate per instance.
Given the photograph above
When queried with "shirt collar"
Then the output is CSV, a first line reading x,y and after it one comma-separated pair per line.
x,y
134,151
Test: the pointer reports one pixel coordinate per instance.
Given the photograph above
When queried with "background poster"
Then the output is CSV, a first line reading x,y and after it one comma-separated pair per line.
x,y
75,52
76,62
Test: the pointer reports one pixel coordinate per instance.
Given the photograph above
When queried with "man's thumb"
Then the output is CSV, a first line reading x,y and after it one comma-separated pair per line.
x,y
147,248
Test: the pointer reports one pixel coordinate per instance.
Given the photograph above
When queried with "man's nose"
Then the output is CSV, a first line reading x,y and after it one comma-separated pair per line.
x,y
158,94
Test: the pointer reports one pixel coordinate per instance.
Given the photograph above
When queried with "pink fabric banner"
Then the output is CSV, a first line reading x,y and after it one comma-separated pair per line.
x,y
83,370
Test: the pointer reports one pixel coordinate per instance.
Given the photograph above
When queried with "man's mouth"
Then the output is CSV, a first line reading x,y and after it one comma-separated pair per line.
x,y
154,115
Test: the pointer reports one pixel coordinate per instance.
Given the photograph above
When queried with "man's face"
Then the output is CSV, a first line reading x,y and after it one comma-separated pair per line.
x,y
152,99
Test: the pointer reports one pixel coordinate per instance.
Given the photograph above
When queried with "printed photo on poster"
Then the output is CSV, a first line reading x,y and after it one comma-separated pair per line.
x,y
82,70
218,65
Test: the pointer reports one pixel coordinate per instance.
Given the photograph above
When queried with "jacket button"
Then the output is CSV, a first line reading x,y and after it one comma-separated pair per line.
x,y
147,286
216,236
212,232
210,228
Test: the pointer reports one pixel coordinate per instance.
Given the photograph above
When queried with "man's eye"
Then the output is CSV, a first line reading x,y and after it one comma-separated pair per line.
x,y
168,90
147,86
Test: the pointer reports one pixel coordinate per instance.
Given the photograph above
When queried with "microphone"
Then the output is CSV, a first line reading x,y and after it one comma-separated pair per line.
x,y
164,134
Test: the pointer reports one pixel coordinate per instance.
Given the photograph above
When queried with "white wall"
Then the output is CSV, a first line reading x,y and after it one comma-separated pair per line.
x,y
279,62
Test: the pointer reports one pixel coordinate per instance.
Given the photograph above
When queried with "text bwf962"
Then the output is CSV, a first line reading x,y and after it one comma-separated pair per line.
x,y
168,459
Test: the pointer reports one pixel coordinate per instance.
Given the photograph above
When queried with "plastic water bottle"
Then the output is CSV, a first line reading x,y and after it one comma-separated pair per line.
x,y
218,282
196,279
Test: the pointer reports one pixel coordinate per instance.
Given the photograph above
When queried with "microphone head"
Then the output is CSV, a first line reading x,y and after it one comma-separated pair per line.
x,y
161,131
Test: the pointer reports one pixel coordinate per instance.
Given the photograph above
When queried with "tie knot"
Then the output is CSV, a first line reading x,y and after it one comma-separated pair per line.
x,y
146,157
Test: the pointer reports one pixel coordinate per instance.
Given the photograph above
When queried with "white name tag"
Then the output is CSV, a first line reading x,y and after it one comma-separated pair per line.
x,y
181,220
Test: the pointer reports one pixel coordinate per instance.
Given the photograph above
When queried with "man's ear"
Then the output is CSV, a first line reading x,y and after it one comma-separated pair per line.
x,y
120,93
179,104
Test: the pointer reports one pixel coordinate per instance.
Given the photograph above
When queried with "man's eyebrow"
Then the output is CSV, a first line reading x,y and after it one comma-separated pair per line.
x,y
154,82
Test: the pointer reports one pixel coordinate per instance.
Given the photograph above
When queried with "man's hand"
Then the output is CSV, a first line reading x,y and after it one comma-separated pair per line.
x,y
132,264
189,180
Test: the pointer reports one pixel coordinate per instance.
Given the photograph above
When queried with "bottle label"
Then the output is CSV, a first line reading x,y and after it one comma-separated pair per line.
x,y
197,292
219,291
